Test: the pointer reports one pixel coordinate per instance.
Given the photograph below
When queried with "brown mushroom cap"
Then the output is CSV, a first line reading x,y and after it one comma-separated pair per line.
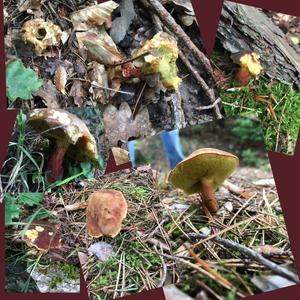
x,y
105,213
203,164
61,125
43,235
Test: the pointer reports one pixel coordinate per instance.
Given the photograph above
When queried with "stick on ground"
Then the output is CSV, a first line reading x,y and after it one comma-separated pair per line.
x,y
251,254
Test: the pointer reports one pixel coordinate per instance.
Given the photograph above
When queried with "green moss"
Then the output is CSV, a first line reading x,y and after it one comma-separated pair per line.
x,y
279,134
55,282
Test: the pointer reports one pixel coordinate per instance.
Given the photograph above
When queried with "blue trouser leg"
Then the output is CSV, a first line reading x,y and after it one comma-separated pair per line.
x,y
172,147
131,151
171,144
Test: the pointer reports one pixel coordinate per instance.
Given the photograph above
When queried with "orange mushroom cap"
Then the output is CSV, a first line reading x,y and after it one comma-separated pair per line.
x,y
105,213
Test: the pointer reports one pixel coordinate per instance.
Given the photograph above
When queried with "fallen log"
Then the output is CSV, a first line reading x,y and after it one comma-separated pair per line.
x,y
246,28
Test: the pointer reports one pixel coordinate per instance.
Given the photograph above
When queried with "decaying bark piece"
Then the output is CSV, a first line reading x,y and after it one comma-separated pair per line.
x,y
246,28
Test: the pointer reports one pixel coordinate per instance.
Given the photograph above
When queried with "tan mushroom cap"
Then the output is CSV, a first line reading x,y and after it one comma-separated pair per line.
x,y
105,213
43,235
61,125
203,164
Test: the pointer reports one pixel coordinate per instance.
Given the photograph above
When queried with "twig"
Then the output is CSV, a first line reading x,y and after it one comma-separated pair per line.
x,y
201,270
208,289
208,91
206,267
139,100
94,83
164,272
229,228
131,59
214,105
252,254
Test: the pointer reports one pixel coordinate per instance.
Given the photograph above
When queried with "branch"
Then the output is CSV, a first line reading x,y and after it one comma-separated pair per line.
x,y
251,254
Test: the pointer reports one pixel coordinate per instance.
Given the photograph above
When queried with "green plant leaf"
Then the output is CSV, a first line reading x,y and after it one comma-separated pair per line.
x,y
31,199
21,82
12,209
87,169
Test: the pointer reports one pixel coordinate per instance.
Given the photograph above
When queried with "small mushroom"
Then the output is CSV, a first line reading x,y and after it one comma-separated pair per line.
x,y
250,66
105,213
43,235
41,34
202,172
67,133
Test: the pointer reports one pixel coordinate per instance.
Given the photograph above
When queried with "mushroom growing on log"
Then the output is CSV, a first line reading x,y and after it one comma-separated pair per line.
x,y
202,172
249,66
68,134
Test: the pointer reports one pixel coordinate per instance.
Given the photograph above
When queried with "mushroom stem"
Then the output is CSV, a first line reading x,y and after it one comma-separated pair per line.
x,y
208,195
243,76
55,164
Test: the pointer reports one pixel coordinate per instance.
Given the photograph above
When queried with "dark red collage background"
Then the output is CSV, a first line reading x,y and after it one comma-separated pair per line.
x,y
285,168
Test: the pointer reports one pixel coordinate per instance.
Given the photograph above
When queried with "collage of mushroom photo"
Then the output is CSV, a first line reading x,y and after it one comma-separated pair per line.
x,y
139,158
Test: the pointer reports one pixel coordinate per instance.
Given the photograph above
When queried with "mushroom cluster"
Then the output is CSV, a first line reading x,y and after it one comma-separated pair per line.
x,y
68,134
202,172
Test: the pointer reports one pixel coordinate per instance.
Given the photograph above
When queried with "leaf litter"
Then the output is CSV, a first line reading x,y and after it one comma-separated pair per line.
x,y
106,45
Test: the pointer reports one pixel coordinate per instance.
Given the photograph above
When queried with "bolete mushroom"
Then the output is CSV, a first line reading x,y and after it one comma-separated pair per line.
x,y
249,66
105,213
43,235
202,172
67,133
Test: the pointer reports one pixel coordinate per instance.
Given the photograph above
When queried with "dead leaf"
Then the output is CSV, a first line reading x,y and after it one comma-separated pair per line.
x,y
100,47
93,16
60,79
77,92
31,7
99,79
49,94
53,64
126,127
121,156
43,235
